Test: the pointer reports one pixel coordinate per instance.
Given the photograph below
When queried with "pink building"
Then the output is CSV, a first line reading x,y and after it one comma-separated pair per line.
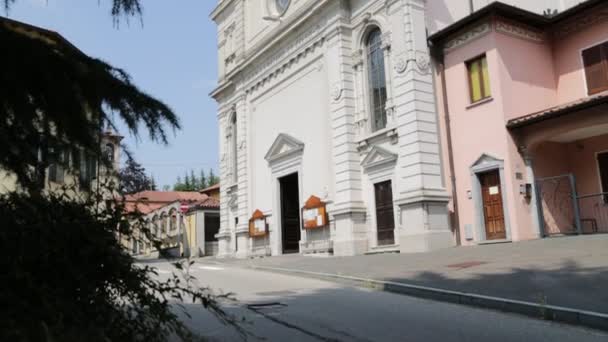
x,y
523,102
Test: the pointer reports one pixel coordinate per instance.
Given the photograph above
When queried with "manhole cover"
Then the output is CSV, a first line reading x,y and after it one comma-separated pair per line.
x,y
468,264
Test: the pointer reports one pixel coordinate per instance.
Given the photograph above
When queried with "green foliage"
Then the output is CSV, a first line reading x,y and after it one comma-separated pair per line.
x,y
65,275
213,179
133,178
53,95
193,183
65,278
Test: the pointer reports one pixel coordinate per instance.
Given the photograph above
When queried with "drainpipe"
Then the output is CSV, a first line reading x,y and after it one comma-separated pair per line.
x,y
448,133
471,7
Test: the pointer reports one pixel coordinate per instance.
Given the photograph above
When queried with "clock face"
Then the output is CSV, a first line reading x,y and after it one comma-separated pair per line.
x,y
282,5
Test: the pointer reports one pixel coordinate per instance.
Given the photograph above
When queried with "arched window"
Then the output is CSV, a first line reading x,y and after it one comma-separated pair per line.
x,y
155,227
233,147
163,222
108,152
376,80
172,220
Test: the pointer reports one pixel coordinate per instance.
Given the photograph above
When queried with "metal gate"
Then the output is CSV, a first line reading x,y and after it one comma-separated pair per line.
x,y
557,204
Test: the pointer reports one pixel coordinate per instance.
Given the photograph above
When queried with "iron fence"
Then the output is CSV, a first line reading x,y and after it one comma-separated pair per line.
x,y
593,213
557,205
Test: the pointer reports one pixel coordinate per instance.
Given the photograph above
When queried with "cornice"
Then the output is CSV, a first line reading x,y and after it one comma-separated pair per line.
x,y
221,6
581,22
278,33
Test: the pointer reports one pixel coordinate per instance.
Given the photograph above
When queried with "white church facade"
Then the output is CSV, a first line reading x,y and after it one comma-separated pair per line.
x,y
332,100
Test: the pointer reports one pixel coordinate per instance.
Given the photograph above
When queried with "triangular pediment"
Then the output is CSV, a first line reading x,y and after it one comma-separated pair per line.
x,y
378,156
486,159
284,146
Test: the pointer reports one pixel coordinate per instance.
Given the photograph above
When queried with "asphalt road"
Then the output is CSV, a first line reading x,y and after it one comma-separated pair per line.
x,y
277,307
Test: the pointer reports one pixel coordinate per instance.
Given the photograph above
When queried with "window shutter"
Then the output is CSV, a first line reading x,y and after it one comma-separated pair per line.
x,y
486,77
596,68
475,79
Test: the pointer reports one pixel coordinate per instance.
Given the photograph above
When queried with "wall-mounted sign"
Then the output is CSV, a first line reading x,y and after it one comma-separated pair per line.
x,y
257,224
314,213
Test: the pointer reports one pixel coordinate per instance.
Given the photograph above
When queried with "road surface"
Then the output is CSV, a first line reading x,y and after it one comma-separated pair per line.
x,y
278,307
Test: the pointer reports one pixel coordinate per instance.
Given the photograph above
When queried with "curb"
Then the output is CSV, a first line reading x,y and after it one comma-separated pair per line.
x,y
589,319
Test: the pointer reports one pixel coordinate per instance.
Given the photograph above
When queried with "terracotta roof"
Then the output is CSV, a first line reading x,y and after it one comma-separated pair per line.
x,y
574,106
142,207
148,201
209,203
166,196
211,188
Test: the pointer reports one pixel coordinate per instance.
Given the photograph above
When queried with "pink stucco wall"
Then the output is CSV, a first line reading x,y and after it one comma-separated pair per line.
x,y
466,120
568,62
525,77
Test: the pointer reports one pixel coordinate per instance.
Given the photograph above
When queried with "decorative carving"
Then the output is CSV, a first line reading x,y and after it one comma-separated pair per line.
x,y
469,35
310,38
386,41
357,58
423,62
393,136
520,31
336,91
400,65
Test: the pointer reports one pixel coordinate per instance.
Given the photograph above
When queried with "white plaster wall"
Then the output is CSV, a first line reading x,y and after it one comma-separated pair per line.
x,y
298,107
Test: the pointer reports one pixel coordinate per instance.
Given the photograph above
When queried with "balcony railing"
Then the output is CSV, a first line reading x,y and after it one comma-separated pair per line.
x,y
593,213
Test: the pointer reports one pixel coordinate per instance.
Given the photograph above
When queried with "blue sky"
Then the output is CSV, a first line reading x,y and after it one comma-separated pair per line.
x,y
172,57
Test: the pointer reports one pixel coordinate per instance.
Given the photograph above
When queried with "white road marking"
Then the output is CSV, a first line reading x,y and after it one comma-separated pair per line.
x,y
211,268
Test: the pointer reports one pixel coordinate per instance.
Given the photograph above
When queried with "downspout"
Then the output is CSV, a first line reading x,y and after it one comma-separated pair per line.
x,y
448,133
471,7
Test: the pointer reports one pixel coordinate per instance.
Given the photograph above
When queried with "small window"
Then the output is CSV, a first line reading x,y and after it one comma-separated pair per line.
x,y
109,153
596,68
602,164
58,159
479,79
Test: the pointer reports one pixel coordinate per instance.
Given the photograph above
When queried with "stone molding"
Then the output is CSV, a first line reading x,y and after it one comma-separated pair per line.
x,y
520,31
283,147
378,156
468,36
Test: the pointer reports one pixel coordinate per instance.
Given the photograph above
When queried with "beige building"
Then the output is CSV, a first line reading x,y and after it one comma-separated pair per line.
x,y
72,166
184,222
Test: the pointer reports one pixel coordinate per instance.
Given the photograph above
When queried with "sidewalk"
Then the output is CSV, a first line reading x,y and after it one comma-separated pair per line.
x,y
570,272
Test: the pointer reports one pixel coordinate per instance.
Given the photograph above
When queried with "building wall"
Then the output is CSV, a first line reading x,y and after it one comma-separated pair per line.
x,y
305,78
442,13
551,74
567,58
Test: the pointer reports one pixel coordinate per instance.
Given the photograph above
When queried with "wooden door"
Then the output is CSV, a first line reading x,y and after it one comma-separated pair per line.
x,y
494,216
385,218
290,213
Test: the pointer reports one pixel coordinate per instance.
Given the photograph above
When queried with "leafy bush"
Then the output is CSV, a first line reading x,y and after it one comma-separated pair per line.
x,y
65,278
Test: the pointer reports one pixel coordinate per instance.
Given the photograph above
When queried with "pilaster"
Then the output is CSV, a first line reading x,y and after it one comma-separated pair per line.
x,y
421,196
348,209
